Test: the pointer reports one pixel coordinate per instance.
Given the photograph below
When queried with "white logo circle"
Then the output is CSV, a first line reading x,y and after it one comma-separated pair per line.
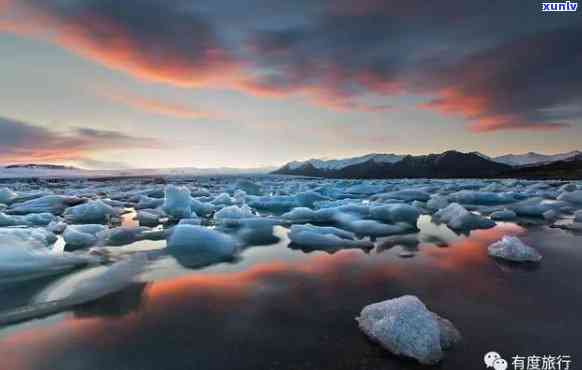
x,y
500,364
490,358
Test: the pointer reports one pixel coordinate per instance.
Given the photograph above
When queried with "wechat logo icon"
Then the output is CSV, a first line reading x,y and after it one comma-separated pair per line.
x,y
493,360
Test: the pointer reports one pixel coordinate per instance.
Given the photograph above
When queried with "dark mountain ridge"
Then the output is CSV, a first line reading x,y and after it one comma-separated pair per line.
x,y
450,164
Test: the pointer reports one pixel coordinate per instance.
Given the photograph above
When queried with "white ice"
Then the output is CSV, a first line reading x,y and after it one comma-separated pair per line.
x,y
177,203
511,248
91,212
458,218
84,236
405,327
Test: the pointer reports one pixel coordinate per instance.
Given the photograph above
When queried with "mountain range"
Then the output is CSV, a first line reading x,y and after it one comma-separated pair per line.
x,y
450,164
532,158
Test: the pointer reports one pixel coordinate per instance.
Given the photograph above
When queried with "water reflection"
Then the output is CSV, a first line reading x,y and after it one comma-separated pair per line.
x,y
299,313
117,304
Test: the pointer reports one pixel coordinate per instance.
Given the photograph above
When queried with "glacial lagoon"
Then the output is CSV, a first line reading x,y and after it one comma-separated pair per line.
x,y
138,299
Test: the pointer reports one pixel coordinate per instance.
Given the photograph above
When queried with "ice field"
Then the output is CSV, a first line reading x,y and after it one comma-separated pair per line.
x,y
203,270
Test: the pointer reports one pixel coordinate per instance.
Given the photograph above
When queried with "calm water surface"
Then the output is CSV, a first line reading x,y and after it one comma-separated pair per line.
x,y
280,308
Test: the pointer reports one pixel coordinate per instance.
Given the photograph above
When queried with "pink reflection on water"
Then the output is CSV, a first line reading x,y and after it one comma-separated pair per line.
x,y
234,305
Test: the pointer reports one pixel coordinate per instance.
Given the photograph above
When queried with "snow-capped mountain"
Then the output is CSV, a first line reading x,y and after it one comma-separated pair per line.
x,y
336,164
532,158
449,164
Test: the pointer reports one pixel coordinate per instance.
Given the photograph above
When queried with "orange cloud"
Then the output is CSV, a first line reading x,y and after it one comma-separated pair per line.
x,y
479,110
120,52
192,58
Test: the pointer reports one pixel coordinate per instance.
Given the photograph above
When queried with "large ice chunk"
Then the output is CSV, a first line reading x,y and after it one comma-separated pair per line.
x,y
365,189
511,248
481,197
83,236
224,199
148,202
248,187
33,219
256,230
376,229
458,218
394,213
405,195
437,202
112,279
405,327
504,215
325,237
202,242
233,212
571,197
202,209
304,214
123,235
568,187
91,212
7,195
24,258
55,204
532,207
33,237
177,203
149,217
308,198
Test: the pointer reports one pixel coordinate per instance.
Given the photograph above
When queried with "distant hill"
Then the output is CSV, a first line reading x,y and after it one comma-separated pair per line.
x,y
43,167
568,169
532,158
450,164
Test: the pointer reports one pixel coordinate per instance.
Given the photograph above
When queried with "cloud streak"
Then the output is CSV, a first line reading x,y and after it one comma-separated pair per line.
x,y
22,142
150,40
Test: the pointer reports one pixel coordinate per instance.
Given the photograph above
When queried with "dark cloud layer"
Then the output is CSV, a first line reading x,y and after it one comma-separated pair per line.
x,y
498,64
24,142
151,39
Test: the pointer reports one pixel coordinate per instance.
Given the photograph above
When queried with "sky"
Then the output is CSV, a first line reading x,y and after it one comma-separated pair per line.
x,y
108,84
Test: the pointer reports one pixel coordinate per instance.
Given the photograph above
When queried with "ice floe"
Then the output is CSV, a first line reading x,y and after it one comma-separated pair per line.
x,y
233,212
503,215
437,202
177,202
405,327
55,204
405,195
91,212
7,195
84,236
481,197
201,243
325,237
394,213
459,218
571,197
24,255
511,248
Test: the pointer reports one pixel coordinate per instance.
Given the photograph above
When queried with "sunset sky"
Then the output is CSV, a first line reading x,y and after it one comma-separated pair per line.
x,y
157,83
